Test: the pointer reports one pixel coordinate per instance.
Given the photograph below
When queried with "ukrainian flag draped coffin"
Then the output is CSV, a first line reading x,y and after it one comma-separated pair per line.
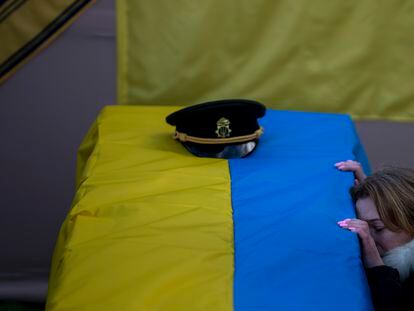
x,y
153,227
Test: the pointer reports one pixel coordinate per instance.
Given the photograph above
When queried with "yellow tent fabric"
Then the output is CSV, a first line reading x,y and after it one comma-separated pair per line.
x,y
151,225
28,26
329,56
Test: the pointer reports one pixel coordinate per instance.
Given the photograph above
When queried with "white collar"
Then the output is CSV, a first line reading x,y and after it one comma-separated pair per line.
x,y
402,259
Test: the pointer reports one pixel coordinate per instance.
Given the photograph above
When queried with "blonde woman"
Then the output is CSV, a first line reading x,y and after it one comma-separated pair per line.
x,y
385,225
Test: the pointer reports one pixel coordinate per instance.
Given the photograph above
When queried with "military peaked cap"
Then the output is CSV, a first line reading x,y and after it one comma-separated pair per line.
x,y
221,129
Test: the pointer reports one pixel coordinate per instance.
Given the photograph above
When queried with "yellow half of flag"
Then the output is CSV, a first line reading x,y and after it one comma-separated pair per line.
x,y
151,223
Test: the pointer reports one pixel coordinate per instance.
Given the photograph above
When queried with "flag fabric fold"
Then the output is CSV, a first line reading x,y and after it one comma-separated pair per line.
x,y
153,227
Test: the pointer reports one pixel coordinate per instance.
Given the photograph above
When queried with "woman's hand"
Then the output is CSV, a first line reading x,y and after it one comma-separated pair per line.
x,y
352,166
370,254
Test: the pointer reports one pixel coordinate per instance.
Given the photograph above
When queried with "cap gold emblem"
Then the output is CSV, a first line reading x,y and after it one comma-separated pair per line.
x,y
223,128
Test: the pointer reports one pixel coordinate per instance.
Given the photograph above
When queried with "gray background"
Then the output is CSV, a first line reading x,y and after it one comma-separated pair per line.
x,y
46,109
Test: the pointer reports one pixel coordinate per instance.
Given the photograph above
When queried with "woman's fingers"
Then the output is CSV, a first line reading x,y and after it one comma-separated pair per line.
x,y
370,254
340,165
348,165
355,225
352,166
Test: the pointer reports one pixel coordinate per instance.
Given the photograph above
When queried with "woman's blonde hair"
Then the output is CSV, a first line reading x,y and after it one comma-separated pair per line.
x,y
392,191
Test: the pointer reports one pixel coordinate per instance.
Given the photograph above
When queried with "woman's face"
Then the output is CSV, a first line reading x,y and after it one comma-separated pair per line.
x,y
384,238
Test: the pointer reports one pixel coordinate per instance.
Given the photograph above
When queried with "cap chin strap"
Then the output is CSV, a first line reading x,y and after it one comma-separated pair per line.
x,y
213,141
